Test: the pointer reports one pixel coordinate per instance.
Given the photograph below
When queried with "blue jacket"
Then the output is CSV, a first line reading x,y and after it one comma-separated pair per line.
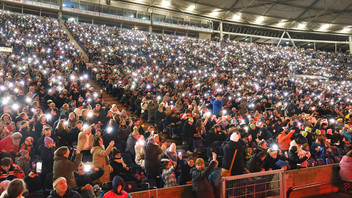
x,y
217,106
347,135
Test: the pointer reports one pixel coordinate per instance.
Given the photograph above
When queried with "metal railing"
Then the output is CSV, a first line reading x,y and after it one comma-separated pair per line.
x,y
254,185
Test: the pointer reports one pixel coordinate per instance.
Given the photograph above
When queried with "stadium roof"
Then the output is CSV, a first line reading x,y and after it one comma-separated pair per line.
x,y
310,15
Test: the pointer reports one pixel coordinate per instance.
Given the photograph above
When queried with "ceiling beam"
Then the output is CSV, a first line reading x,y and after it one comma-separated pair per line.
x,y
230,10
306,10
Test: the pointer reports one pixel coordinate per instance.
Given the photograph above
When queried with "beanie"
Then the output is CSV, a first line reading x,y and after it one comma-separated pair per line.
x,y
16,135
190,119
329,131
322,132
317,132
172,147
57,181
308,129
252,126
199,160
61,151
23,152
234,137
47,141
304,133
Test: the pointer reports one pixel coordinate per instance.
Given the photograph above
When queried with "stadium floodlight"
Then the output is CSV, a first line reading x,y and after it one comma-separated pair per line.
x,y
237,16
260,20
324,27
281,23
346,29
302,25
191,8
166,3
214,13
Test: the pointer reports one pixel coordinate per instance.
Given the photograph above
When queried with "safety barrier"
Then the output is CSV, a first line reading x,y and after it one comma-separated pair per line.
x,y
254,185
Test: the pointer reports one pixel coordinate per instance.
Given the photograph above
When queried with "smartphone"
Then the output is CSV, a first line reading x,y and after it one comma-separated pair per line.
x,y
38,168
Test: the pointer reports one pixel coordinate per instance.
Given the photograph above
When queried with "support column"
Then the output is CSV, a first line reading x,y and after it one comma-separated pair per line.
x,y
350,43
251,39
335,47
3,6
163,31
150,29
22,10
293,43
221,33
60,9
282,36
314,46
92,21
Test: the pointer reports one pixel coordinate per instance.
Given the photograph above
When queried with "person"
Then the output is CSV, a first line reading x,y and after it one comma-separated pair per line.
x,y
152,152
294,159
284,139
9,170
23,161
117,189
61,190
139,150
186,167
168,173
47,157
15,189
200,178
217,105
101,158
229,147
346,167
11,143
255,164
119,166
63,167
85,143
85,175
171,153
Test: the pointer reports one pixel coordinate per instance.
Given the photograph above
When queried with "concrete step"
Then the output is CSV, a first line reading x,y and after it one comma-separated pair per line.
x,y
73,40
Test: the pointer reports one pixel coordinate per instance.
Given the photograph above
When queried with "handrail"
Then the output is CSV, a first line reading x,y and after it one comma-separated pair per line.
x,y
252,175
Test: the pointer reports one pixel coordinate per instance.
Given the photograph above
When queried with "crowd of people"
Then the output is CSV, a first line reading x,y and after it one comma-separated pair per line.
x,y
240,106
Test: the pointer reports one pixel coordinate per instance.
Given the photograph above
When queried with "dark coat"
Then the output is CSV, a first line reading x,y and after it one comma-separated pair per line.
x,y
64,168
185,175
293,159
200,181
69,194
88,178
152,152
47,157
131,142
255,164
229,148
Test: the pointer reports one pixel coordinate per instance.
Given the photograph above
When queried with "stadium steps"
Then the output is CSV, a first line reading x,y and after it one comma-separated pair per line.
x,y
73,40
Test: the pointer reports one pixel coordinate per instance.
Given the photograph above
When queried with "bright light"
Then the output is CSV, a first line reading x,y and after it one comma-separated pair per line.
x,y
208,114
90,114
28,100
191,8
260,19
166,3
237,16
346,29
275,147
87,168
109,129
15,106
48,116
324,27
281,23
302,25
214,13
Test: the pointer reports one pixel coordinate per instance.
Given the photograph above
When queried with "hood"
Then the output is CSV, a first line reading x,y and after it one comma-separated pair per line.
x,y
116,182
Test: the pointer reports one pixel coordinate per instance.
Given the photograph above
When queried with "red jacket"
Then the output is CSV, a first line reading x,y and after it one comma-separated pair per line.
x,y
284,140
111,194
7,145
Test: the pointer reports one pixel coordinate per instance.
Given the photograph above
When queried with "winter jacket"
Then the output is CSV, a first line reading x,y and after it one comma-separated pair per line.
x,y
255,164
229,148
139,159
83,138
346,168
131,142
65,168
7,145
69,194
284,140
200,181
47,157
294,160
185,175
217,106
111,194
88,178
152,152
101,160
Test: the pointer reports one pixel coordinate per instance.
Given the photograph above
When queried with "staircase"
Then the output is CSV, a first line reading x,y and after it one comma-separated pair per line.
x,y
73,40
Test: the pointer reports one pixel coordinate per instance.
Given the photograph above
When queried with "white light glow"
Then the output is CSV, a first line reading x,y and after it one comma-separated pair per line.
x,y
260,19
191,8
237,16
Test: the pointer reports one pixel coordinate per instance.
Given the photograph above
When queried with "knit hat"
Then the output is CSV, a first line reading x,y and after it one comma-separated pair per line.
x,y
118,181
199,160
252,126
16,135
172,147
308,129
57,181
322,132
329,131
23,152
47,141
324,121
234,137
190,119
304,133
317,132
61,151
